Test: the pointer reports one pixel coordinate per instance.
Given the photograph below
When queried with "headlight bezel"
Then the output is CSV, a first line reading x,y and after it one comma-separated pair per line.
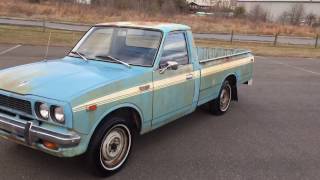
x,y
52,113
53,110
38,111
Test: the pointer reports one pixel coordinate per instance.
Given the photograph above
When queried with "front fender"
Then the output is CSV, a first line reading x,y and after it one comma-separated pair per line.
x,y
93,124
112,109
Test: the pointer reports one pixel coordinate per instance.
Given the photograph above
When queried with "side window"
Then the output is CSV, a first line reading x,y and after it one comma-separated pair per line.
x,y
175,49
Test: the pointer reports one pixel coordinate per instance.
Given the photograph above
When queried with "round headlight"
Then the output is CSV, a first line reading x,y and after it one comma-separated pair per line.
x,y
43,110
58,114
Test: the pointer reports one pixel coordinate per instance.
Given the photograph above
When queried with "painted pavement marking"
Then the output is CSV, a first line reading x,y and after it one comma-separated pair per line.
x,y
297,68
10,49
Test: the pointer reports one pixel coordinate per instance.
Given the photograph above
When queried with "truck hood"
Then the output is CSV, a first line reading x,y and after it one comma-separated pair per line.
x,y
63,78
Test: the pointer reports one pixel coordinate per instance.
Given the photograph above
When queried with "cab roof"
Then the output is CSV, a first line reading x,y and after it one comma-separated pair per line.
x,y
165,27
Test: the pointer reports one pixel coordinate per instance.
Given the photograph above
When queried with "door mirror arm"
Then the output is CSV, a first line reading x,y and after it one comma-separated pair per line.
x,y
169,65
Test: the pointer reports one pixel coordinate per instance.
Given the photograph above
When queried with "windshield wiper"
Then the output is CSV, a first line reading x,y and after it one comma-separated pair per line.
x,y
80,55
114,59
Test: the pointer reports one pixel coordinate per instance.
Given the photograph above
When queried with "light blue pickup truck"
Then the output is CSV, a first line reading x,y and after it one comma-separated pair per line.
x,y
120,80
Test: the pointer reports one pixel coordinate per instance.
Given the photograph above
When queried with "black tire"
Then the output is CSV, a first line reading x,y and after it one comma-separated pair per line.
x,y
215,105
95,156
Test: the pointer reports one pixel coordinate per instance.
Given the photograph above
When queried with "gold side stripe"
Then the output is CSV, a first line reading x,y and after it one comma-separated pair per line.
x,y
160,84
113,97
196,74
170,81
225,66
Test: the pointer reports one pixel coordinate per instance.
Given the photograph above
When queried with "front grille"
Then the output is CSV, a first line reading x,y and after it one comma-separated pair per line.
x,y
15,104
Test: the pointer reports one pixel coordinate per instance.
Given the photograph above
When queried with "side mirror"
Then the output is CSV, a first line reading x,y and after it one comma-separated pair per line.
x,y
169,65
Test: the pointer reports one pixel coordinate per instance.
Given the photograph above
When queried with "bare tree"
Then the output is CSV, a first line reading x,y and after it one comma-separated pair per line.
x,y
34,1
296,14
311,18
258,14
181,5
284,18
239,12
149,6
168,8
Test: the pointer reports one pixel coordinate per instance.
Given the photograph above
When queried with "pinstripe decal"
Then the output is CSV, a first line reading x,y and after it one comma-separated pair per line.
x,y
161,84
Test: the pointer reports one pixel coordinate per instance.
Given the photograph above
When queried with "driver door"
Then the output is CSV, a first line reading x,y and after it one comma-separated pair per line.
x,y
173,89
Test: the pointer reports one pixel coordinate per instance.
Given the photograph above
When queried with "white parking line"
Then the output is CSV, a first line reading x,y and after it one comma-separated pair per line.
x,y
297,68
10,49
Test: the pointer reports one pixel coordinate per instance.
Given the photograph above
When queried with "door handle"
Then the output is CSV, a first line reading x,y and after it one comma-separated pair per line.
x,y
189,77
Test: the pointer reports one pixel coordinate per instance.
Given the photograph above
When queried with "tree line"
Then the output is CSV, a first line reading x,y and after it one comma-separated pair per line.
x,y
295,15
148,6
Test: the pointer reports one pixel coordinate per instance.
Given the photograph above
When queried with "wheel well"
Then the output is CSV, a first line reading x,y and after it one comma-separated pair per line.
x,y
129,113
232,79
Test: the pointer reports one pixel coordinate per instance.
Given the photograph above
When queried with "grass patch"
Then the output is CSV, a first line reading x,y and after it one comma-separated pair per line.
x,y
36,36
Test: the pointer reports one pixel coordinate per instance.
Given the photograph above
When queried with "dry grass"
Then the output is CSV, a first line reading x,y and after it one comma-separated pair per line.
x,y
35,36
87,14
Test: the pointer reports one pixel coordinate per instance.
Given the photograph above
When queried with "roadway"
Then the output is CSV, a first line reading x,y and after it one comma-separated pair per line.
x,y
271,133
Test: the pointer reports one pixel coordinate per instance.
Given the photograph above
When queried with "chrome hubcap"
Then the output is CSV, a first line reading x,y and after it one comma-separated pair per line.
x,y
115,147
225,98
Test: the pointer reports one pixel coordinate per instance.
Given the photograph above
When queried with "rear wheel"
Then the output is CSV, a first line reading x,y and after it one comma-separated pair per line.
x,y
221,105
110,147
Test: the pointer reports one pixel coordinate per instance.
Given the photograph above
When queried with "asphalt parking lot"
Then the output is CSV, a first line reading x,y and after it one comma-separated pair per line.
x,y
273,132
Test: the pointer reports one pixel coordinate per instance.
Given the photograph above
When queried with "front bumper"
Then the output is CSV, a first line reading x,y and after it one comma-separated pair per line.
x,y
29,134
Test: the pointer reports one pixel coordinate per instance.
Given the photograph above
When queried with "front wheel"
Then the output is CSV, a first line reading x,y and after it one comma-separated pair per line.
x,y
221,104
110,147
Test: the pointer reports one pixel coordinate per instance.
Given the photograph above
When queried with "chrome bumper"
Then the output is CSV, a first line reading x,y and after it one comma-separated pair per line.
x,y
30,134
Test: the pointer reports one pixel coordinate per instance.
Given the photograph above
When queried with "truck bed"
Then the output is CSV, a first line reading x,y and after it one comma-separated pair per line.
x,y
211,54
219,63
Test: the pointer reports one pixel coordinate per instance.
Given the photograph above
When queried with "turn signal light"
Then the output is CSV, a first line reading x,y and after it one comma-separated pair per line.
x,y
50,145
92,107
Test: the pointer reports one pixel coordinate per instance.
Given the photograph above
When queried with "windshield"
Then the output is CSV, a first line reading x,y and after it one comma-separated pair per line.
x,y
114,44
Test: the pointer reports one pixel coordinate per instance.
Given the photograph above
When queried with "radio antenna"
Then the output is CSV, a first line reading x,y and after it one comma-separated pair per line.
x,y
48,44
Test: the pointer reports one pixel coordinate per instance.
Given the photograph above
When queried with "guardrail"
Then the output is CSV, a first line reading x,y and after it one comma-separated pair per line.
x,y
275,39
